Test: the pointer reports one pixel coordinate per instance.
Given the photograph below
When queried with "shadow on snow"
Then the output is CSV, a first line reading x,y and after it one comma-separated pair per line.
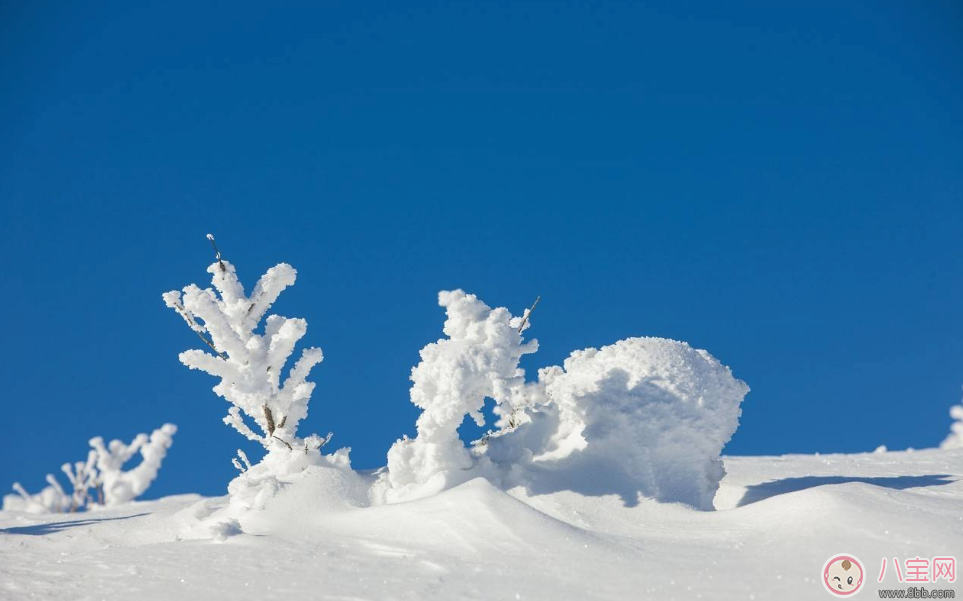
x,y
53,527
759,492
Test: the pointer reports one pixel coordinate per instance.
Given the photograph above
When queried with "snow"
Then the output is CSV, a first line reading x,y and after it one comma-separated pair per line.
x,y
653,414
778,520
955,438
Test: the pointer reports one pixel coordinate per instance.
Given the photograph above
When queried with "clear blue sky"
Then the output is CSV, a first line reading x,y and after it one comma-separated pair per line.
x,y
779,183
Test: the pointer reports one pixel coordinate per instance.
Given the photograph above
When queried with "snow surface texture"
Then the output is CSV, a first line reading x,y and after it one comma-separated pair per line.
x,y
778,520
955,439
103,472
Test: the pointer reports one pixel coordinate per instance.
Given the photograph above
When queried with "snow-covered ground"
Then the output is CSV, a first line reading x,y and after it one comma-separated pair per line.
x,y
777,521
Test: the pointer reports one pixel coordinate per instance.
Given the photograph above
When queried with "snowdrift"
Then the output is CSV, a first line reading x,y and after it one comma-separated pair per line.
x,y
778,520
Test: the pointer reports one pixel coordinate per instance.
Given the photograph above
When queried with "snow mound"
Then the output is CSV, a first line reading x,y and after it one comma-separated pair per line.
x,y
280,493
651,414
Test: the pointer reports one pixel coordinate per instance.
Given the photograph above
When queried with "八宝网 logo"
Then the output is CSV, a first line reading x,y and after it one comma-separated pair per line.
x,y
843,575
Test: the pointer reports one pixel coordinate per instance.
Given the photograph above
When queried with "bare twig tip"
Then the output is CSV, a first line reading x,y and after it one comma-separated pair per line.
x,y
528,312
217,253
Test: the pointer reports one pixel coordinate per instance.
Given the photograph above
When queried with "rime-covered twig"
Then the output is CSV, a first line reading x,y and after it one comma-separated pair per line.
x,y
244,464
174,303
217,253
527,313
317,440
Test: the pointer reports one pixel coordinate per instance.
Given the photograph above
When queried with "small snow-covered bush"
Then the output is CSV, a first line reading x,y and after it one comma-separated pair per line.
x,y
50,499
119,486
955,438
249,364
478,360
100,480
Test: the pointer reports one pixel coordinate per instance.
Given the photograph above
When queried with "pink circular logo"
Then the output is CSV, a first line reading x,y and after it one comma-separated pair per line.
x,y
843,575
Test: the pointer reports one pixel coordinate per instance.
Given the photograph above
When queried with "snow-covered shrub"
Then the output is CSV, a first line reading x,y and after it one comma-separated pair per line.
x,y
118,486
955,438
650,412
51,499
100,480
248,364
645,416
478,360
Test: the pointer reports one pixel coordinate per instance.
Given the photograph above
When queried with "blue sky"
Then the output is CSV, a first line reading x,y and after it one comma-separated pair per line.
x,y
778,183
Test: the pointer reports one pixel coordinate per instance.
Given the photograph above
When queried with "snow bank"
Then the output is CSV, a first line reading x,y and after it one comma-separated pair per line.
x,y
278,494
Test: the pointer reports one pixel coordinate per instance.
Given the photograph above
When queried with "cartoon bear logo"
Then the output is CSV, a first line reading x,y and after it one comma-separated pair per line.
x,y
843,575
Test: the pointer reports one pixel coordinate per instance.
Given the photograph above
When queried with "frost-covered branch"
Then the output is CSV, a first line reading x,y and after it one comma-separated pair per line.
x,y
119,486
528,312
249,365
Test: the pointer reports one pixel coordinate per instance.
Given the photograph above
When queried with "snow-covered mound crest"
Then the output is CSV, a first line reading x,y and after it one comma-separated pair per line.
x,y
650,411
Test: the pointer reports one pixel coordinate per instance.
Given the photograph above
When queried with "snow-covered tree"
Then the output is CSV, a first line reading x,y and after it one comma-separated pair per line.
x,y
249,364
100,480
478,360
118,486
249,360
955,438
